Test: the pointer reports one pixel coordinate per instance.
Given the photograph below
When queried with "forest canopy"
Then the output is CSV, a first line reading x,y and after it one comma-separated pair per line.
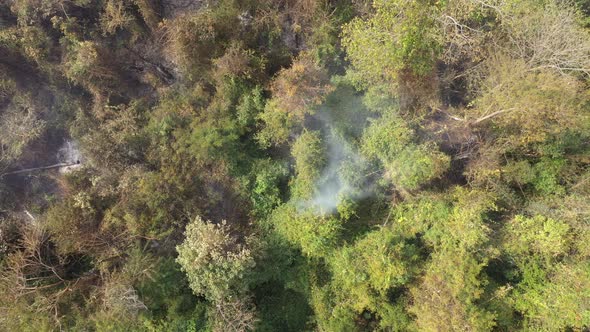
x,y
294,165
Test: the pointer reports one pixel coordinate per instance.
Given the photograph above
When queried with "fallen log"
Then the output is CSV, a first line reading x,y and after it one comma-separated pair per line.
x,y
27,170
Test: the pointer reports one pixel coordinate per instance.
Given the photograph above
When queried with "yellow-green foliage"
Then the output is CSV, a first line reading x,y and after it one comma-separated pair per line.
x,y
555,300
530,106
448,142
406,163
115,16
331,314
89,65
215,263
466,225
367,270
196,38
277,125
400,35
310,157
537,234
316,236
296,92
567,212
446,298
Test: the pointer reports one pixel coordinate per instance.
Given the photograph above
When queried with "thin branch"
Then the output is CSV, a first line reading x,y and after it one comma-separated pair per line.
x,y
492,115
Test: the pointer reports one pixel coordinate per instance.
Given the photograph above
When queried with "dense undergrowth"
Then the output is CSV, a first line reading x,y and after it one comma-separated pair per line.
x,y
296,165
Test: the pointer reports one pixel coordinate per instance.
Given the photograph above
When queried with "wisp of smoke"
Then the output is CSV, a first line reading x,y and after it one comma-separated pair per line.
x,y
342,177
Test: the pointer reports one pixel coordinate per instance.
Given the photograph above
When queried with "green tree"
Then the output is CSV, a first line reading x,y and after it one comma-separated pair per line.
x,y
400,36
365,273
539,235
527,106
554,299
213,260
447,297
266,193
406,163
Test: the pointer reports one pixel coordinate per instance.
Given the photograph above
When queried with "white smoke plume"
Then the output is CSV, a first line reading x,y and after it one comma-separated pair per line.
x,y
343,176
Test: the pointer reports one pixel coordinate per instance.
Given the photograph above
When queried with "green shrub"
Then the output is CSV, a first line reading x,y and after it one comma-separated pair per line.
x,y
310,158
316,236
399,36
406,163
214,262
538,234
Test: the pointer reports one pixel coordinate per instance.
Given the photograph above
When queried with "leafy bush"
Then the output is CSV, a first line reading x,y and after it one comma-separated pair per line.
x,y
538,234
214,262
400,35
407,164
310,157
316,236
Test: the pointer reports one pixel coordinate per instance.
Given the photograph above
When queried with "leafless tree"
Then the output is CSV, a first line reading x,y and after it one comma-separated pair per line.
x,y
34,272
550,37
19,125
235,315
